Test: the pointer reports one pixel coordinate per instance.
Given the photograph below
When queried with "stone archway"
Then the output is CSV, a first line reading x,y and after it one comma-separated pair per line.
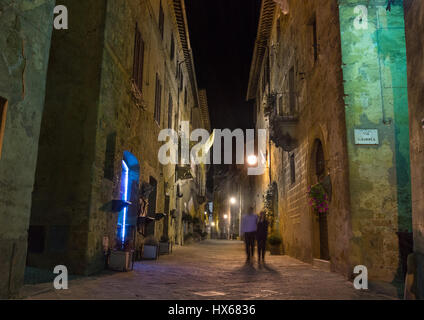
x,y
318,169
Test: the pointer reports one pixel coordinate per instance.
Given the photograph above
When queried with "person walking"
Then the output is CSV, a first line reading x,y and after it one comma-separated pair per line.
x,y
261,235
248,228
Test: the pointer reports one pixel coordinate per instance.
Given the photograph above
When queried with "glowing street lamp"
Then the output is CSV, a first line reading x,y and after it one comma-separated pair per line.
x,y
225,216
233,200
252,160
213,224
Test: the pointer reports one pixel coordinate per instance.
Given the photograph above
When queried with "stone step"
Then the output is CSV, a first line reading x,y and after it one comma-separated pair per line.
x,y
324,265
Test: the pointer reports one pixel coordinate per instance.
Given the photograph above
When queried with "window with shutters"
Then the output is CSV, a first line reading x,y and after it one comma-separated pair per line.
x,y
292,169
320,160
158,97
3,111
138,59
172,50
177,73
315,38
181,79
280,106
292,92
170,109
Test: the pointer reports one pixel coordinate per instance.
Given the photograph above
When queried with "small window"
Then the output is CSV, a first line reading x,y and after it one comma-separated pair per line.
x,y
280,106
315,38
158,97
265,75
292,91
181,78
292,169
170,109
178,67
172,50
320,160
3,111
278,30
138,59
185,96
161,20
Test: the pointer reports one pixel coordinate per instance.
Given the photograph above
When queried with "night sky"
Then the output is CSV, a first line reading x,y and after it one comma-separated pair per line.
x,y
222,35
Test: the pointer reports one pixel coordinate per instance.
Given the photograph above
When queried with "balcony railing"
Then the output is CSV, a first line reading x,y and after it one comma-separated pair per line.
x,y
282,125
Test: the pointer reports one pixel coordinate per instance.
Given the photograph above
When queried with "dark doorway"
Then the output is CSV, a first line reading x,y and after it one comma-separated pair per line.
x,y
321,227
167,220
151,210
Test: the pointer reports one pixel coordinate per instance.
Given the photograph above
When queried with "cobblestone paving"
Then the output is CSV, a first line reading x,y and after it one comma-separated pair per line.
x,y
209,270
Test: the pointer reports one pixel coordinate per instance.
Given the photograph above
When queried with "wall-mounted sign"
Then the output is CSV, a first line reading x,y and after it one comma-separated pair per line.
x,y
366,136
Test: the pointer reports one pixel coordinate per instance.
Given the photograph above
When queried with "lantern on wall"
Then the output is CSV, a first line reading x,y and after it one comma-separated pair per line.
x,y
284,5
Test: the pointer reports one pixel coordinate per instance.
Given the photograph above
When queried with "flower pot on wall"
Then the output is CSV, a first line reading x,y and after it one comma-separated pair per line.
x,y
283,131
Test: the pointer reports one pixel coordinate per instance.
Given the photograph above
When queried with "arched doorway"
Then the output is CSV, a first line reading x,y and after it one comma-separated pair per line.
x,y
320,225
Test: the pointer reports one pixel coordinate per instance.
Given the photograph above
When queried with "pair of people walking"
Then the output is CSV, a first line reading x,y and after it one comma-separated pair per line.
x,y
255,228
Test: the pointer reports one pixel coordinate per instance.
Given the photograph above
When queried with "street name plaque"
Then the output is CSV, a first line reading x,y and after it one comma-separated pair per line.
x,y
366,137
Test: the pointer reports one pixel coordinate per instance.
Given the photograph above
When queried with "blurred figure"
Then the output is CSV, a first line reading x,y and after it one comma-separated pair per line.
x,y
261,235
248,228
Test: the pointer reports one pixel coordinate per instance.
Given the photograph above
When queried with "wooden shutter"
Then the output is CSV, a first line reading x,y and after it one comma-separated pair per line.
x,y
170,107
292,91
138,63
158,98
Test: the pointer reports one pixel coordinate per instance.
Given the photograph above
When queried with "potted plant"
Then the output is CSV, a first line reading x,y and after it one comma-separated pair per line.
x,y
150,249
120,260
204,235
268,200
164,245
274,242
318,198
188,238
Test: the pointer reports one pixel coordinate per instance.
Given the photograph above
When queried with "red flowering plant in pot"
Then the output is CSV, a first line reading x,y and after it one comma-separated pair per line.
x,y
318,198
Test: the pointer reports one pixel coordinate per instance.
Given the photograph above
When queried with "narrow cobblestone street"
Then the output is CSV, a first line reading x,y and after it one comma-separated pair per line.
x,y
212,269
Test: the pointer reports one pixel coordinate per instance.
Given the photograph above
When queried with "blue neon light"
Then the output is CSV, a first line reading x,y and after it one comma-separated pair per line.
x,y
126,173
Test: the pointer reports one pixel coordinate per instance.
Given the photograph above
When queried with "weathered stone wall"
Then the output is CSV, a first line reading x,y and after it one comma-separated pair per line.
x,y
24,45
91,106
414,19
62,191
321,116
374,67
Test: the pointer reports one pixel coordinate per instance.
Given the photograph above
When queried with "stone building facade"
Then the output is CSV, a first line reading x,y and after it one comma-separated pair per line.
x,y
23,67
123,72
414,17
336,117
